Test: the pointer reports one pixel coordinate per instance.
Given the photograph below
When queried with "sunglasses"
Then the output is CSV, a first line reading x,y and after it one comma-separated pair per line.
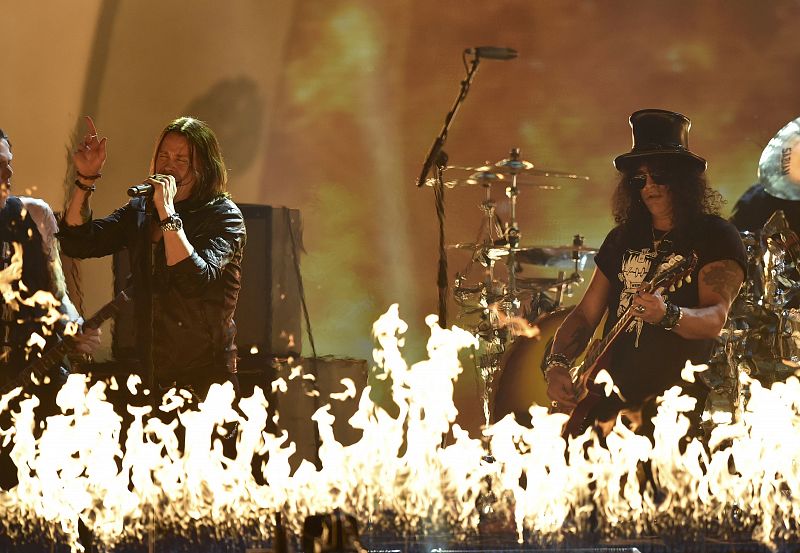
x,y
639,180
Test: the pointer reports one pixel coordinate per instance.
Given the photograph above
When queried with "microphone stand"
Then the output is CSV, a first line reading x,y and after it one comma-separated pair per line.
x,y
146,300
437,156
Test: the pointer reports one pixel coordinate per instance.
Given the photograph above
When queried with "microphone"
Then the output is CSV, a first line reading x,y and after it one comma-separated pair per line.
x,y
144,189
492,52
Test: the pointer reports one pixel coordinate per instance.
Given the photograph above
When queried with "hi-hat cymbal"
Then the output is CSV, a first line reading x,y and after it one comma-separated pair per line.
x,y
779,166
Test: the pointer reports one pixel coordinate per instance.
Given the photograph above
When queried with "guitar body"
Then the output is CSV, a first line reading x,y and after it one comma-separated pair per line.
x,y
591,394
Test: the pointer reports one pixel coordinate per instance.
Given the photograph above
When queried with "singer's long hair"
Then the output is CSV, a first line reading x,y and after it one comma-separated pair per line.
x,y
205,154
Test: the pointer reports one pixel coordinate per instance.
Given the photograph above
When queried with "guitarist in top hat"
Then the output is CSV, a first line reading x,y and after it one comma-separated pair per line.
x,y
665,211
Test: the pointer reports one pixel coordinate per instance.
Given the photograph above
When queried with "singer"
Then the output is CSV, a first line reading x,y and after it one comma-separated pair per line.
x,y
185,243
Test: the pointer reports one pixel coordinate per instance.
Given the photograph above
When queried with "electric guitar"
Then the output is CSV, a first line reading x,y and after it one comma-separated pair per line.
x,y
55,354
598,356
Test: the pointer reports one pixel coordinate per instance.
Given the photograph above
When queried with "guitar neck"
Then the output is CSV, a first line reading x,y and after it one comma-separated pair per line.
x,y
54,355
603,345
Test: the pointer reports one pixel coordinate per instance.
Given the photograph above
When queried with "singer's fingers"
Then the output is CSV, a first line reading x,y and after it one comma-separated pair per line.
x,y
164,179
90,125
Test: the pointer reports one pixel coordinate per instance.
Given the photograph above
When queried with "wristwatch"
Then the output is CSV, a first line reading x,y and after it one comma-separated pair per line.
x,y
173,222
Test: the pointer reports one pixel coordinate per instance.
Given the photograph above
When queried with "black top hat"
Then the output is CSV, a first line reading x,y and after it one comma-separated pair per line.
x,y
656,133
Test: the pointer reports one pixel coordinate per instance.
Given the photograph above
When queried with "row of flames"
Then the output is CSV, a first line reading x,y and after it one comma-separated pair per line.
x,y
173,467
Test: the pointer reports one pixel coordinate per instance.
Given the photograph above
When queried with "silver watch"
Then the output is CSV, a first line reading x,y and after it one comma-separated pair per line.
x,y
173,222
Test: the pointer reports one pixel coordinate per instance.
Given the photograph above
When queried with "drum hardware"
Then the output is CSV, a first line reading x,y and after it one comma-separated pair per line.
x,y
505,307
789,338
762,335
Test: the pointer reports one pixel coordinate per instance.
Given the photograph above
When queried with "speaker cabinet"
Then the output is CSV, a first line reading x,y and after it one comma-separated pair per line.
x,y
298,402
268,321
268,312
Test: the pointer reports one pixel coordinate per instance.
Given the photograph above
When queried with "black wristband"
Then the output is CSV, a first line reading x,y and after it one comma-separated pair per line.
x,y
671,317
557,359
88,177
85,187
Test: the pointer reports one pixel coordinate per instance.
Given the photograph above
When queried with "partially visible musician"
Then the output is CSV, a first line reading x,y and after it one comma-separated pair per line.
x,y
28,223
663,207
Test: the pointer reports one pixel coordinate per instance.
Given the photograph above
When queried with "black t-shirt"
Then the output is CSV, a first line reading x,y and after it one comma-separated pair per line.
x,y
647,359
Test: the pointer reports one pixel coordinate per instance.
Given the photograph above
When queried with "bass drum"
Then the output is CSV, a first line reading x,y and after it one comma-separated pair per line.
x,y
521,380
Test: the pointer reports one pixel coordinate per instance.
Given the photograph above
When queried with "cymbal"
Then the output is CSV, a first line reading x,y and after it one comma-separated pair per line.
x,y
548,256
779,166
517,167
488,178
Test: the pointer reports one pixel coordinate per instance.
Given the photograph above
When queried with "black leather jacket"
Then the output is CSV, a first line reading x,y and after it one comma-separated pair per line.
x,y
194,300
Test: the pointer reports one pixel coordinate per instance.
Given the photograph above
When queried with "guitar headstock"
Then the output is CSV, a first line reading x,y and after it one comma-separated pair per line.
x,y
677,270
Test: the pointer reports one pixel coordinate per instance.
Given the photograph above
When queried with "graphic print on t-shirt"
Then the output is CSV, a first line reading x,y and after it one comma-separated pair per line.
x,y
635,267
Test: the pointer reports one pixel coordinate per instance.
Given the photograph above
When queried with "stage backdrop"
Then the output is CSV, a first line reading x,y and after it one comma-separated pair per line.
x,y
329,107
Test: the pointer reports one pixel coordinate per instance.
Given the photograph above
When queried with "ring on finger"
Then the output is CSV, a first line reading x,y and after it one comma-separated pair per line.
x,y
639,308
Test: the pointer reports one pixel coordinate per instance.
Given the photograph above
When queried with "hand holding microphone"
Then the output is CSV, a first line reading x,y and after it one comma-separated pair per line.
x,y
153,183
161,188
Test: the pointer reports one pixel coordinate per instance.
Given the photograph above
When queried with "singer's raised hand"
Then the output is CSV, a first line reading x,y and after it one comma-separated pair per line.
x,y
90,153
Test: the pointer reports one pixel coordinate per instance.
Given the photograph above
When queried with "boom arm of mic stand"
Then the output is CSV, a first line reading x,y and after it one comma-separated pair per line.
x,y
438,144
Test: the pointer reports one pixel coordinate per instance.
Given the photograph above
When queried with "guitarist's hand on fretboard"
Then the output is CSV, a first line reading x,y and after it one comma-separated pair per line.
x,y
86,341
651,308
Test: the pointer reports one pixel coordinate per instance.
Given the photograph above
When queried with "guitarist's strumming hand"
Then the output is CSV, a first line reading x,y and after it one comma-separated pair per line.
x,y
650,308
560,388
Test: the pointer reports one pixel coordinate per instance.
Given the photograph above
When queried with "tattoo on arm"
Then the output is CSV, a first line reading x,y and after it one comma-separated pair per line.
x,y
577,341
724,278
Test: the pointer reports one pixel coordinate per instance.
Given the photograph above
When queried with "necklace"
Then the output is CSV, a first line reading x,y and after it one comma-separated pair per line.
x,y
657,241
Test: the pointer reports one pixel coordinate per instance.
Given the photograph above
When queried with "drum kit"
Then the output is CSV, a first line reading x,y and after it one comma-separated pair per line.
x,y
496,302
762,335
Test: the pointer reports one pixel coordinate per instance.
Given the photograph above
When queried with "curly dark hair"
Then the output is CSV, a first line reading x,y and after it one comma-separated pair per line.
x,y
692,196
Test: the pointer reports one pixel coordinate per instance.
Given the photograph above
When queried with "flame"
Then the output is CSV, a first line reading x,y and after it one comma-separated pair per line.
x,y
185,466
519,326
